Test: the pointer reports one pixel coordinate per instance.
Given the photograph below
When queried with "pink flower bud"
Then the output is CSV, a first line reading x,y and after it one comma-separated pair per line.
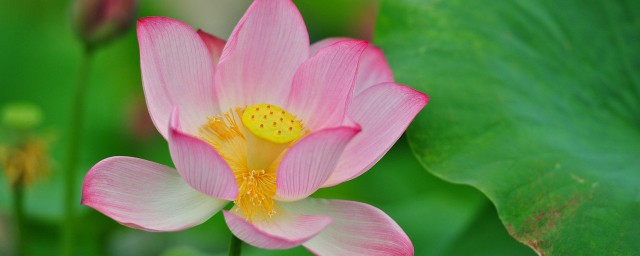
x,y
98,21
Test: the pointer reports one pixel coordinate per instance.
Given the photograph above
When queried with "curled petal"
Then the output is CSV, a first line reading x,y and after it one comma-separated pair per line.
x,y
384,112
200,165
357,229
309,163
145,195
176,71
284,231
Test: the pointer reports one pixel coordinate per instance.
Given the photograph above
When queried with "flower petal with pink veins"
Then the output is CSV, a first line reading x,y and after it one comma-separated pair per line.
x,y
261,55
214,44
309,163
145,195
283,231
373,68
319,45
323,86
200,165
384,112
176,71
357,229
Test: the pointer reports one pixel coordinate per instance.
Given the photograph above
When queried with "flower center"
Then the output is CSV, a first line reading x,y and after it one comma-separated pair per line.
x,y
252,141
271,123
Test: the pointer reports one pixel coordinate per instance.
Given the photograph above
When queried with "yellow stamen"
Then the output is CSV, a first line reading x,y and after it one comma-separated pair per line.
x,y
223,133
255,194
265,132
271,123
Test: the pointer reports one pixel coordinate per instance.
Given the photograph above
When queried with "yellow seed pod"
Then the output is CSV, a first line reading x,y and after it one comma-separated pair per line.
x,y
271,123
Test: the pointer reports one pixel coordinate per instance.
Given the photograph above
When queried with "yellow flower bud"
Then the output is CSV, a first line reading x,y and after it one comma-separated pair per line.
x,y
25,162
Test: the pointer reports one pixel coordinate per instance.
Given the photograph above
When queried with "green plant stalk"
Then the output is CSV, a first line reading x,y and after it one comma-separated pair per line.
x,y
18,208
77,113
235,246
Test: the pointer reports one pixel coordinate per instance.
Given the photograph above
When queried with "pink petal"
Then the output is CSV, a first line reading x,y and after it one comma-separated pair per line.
x,y
323,85
309,163
284,231
262,54
200,165
373,68
384,111
214,45
317,46
176,71
145,195
357,229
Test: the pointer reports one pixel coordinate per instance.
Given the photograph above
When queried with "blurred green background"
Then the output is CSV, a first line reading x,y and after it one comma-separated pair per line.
x,y
40,57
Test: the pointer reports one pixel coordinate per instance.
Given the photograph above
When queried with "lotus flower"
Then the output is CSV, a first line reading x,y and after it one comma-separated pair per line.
x,y
263,121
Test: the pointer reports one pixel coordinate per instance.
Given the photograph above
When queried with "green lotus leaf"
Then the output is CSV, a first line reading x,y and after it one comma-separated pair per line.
x,y
536,104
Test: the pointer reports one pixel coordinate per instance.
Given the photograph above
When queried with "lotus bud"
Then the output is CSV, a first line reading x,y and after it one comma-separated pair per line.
x,y
98,21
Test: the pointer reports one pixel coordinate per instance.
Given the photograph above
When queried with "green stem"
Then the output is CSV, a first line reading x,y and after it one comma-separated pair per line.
x,y
18,207
68,228
235,246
